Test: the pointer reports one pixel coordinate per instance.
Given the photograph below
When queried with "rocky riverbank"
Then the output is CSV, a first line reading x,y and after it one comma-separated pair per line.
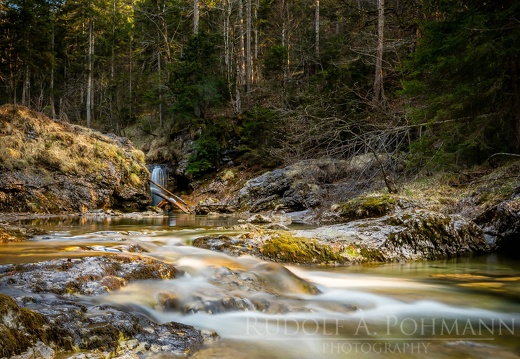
x,y
42,317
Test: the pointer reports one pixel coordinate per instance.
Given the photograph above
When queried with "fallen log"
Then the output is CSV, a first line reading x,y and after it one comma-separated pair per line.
x,y
170,200
168,192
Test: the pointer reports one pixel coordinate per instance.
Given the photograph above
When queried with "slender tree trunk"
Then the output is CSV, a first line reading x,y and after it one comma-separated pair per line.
x,y
159,73
26,86
378,80
89,70
256,72
249,73
317,29
516,101
240,57
195,17
51,98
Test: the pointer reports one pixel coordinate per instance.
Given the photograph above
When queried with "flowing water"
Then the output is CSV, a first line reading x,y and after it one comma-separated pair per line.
x,y
460,308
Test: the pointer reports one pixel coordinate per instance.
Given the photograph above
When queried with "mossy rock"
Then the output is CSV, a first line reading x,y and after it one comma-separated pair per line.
x,y
365,207
7,235
20,328
283,247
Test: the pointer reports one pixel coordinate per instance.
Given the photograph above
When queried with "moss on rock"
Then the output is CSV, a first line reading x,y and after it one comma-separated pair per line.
x,y
284,247
365,207
20,328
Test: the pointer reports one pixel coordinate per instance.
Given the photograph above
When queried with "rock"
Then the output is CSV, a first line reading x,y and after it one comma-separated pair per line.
x,y
289,187
86,276
65,325
501,224
361,207
304,184
20,328
213,205
262,289
405,235
222,243
66,168
259,219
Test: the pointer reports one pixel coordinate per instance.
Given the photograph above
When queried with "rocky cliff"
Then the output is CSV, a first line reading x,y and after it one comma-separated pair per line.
x,y
55,167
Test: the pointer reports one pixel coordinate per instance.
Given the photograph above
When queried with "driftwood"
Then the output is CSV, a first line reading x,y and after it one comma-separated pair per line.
x,y
173,199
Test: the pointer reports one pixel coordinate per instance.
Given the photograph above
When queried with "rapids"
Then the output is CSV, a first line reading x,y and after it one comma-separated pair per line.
x,y
457,308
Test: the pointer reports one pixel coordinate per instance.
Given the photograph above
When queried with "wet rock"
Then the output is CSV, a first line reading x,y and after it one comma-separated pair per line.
x,y
213,205
20,328
63,325
259,219
10,233
38,351
264,288
223,243
405,235
87,276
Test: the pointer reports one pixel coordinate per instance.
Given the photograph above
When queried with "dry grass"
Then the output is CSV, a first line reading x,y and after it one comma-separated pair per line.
x,y
30,139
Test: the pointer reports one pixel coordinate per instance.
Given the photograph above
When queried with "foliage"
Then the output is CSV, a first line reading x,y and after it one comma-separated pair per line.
x,y
275,60
462,83
196,84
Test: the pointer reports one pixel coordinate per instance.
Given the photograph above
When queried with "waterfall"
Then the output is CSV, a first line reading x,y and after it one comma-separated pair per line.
x,y
159,176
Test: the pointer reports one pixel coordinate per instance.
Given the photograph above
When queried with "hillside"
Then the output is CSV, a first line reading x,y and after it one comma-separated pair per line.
x,y
53,167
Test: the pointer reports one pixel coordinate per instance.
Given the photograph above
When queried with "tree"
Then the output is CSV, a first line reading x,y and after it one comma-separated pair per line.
x,y
463,81
378,78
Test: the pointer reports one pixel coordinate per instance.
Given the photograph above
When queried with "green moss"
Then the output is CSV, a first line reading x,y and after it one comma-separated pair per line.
x,y
20,328
366,207
372,255
284,247
9,235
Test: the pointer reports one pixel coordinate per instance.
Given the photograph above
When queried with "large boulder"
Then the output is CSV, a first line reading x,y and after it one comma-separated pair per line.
x,y
305,184
501,225
53,167
292,188
402,236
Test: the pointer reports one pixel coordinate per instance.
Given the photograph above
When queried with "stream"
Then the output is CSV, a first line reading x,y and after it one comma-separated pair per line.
x,y
456,308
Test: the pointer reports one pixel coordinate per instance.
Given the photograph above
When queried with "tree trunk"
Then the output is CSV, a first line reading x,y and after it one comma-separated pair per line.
x,y
51,85
195,17
248,48
516,102
378,80
240,57
89,69
317,29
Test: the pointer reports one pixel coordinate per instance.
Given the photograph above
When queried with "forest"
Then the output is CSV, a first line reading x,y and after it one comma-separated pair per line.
x,y
429,84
